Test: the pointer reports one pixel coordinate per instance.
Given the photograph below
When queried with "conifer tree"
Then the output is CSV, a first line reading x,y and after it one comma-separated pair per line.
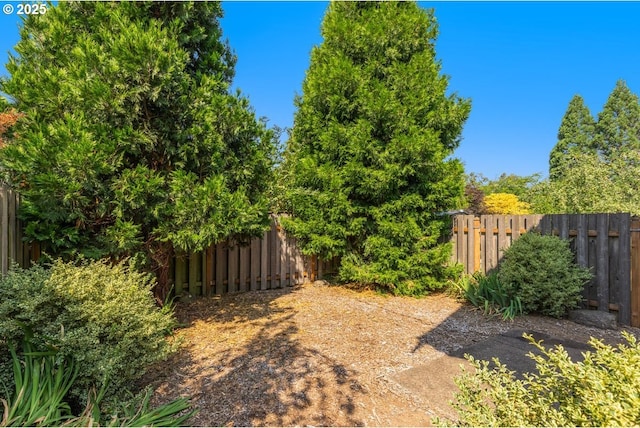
x,y
618,127
132,144
575,136
370,167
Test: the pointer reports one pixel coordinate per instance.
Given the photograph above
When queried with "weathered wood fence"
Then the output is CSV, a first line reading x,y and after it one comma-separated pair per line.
x,y
272,261
12,247
608,244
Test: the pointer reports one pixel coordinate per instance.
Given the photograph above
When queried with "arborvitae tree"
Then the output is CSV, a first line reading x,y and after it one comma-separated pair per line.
x,y
132,144
576,135
370,152
618,127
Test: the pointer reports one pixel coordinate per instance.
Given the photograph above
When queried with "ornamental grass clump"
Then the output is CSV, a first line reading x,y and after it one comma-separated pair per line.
x,y
101,316
541,272
42,381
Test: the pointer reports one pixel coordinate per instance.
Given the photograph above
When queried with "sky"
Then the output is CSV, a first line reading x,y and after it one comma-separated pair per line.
x,y
519,63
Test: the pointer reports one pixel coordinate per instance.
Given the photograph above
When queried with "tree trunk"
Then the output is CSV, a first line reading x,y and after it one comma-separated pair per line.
x,y
160,254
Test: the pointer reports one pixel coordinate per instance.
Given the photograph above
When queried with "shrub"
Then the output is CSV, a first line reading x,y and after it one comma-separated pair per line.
x,y
505,203
100,315
602,390
541,271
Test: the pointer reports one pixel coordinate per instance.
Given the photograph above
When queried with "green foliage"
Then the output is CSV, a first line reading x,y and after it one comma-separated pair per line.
x,y
540,270
575,136
595,166
132,142
40,389
369,159
101,316
618,127
592,185
42,382
601,390
488,294
518,185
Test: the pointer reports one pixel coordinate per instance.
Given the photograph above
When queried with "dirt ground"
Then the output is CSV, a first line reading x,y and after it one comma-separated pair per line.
x,y
320,355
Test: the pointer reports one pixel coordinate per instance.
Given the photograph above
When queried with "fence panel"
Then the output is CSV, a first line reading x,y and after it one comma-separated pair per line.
x,y
608,244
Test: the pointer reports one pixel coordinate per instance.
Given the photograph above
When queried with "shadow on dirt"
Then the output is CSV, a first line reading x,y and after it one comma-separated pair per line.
x,y
263,378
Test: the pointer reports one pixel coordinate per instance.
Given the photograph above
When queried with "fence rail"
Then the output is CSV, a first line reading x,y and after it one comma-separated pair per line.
x,y
608,244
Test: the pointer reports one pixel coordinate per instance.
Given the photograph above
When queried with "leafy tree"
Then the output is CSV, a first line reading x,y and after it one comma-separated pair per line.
x,y
576,135
132,143
618,127
518,185
592,185
505,203
475,199
369,154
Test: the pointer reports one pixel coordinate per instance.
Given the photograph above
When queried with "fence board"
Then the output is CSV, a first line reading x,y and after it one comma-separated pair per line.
x,y
4,231
208,272
221,268
491,258
284,257
194,268
602,256
233,261
274,258
244,274
624,270
264,260
255,263
635,272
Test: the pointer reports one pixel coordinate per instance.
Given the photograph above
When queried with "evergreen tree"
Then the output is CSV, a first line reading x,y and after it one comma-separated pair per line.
x,y
576,135
618,127
370,151
131,143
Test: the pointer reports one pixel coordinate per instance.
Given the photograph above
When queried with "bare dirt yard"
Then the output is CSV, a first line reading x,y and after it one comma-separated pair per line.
x,y
320,355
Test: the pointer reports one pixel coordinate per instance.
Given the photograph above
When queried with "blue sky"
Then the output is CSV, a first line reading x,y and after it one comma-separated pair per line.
x,y
519,63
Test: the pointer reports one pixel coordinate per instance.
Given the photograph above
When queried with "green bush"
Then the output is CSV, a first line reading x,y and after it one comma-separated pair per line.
x,y
540,270
100,315
602,390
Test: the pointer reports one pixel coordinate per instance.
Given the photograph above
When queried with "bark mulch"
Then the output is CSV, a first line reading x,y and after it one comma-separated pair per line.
x,y
320,355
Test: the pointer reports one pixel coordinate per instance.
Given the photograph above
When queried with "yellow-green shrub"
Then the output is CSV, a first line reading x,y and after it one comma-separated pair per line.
x,y
505,203
602,390
100,315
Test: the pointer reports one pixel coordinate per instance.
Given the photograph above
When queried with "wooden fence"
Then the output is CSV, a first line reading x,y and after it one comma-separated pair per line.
x,y
12,247
608,244
273,261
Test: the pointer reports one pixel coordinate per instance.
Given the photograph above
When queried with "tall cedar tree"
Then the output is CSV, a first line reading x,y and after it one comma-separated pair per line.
x,y
618,127
369,155
132,144
575,136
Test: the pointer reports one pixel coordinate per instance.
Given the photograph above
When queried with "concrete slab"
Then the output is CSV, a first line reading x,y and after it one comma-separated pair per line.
x,y
434,382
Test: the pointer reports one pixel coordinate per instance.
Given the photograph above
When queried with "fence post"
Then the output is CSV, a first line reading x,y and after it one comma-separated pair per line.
x,y
476,244
635,272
